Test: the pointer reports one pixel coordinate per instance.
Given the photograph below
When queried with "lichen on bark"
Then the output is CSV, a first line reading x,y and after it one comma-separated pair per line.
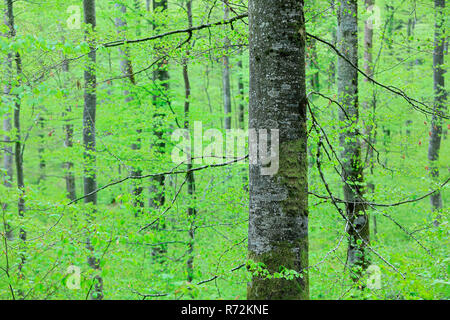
x,y
278,218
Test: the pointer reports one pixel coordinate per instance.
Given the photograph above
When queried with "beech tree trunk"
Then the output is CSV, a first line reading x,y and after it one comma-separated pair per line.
x,y
8,154
90,105
370,104
18,150
160,78
352,171
440,98
332,65
241,93
278,215
41,149
190,179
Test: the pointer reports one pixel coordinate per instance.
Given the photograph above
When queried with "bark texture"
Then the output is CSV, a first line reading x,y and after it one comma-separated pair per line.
x,y
241,93
89,111
190,178
8,154
278,215
160,78
369,105
90,105
352,171
440,98
18,150
41,149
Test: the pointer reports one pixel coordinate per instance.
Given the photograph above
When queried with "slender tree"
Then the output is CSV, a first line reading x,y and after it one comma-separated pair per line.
x,y
313,64
369,104
241,92
440,98
18,155
90,105
278,215
69,176
190,179
41,149
332,64
8,154
18,149
161,80
126,68
226,73
352,171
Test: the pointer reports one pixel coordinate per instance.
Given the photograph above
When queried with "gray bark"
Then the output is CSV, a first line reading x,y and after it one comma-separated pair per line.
x,y
89,112
352,171
241,93
190,179
41,149
18,155
332,65
8,154
278,210
68,141
7,127
160,78
90,105
440,98
370,104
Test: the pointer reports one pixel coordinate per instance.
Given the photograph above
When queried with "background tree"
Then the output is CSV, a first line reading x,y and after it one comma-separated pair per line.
x,y
89,114
440,99
352,166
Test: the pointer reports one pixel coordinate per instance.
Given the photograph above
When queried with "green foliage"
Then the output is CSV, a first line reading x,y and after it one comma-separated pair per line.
x,y
151,263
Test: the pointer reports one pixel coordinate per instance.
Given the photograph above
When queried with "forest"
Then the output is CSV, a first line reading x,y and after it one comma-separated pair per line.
x,y
224,150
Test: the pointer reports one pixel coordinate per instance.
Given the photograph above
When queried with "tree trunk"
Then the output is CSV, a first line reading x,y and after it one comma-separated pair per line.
x,y
226,73
190,179
68,131
90,105
440,98
352,171
18,155
7,127
370,104
161,81
332,65
126,68
160,78
41,149
278,215
68,140
313,66
241,93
